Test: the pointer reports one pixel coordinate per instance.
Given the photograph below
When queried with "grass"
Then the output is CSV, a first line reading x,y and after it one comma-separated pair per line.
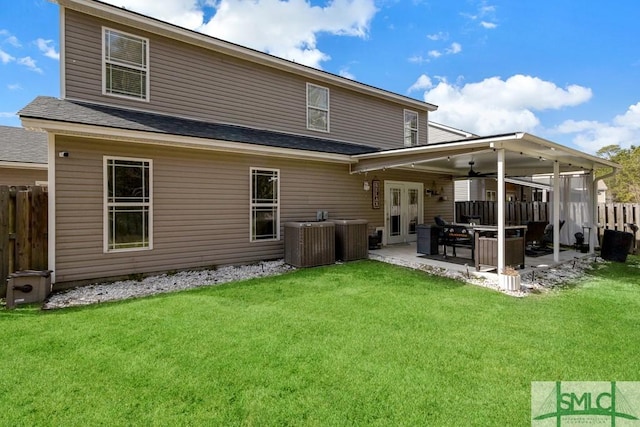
x,y
362,343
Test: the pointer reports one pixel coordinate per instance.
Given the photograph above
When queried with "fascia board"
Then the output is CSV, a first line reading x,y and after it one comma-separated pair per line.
x,y
23,165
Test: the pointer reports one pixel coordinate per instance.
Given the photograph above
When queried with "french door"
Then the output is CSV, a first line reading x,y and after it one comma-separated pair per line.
x,y
403,209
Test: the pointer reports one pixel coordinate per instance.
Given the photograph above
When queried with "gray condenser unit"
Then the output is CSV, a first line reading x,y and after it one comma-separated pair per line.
x,y
309,244
352,239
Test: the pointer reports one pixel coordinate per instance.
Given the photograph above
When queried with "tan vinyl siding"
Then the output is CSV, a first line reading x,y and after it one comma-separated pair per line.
x,y
462,190
201,206
14,176
194,82
440,135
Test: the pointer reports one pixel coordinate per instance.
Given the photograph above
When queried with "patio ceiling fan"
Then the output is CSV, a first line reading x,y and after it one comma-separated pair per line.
x,y
472,173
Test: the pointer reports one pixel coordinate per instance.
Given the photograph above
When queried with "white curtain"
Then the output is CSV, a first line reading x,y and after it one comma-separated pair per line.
x,y
575,207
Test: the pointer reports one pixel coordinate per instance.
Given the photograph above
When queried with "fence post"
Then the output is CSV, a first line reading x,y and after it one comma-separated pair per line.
x,y
4,238
23,236
38,227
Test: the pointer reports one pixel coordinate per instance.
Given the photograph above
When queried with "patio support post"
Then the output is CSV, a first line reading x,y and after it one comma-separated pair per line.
x,y
556,211
501,211
593,231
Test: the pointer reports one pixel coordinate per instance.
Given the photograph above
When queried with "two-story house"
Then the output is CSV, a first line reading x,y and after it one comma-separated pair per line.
x,y
170,149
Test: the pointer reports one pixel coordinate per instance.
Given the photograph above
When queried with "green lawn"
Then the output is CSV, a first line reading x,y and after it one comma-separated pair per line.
x,y
362,343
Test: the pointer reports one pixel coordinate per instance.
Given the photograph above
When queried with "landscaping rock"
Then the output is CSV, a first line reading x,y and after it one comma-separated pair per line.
x,y
103,292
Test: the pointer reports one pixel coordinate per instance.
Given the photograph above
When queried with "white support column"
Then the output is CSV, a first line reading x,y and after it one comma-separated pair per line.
x,y
593,232
556,211
501,211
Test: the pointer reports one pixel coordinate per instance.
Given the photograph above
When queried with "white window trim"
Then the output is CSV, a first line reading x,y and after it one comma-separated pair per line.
x,y
490,195
252,205
105,207
327,110
404,127
104,67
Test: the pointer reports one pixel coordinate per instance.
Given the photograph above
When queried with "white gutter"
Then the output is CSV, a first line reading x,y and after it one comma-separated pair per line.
x,y
526,183
23,165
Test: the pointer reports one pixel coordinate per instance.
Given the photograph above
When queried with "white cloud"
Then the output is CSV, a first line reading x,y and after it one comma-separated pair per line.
x,y
10,38
287,29
30,63
6,114
14,86
623,130
344,72
47,48
494,105
438,36
5,58
418,59
454,49
485,13
423,83
185,13
13,41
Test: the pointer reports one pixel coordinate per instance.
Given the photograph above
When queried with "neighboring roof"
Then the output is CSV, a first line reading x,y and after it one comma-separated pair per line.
x,y
84,113
449,129
156,26
22,146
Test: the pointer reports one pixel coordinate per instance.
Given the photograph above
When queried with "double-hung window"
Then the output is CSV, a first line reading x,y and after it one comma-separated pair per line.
x,y
317,108
410,128
126,65
127,202
265,204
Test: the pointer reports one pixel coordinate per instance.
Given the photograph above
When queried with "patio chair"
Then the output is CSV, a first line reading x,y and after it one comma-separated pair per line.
x,y
547,237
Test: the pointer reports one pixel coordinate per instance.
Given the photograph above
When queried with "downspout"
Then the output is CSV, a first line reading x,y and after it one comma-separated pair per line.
x,y
593,234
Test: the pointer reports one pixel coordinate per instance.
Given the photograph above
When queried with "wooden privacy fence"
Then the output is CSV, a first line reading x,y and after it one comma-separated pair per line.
x,y
611,216
618,216
516,213
23,230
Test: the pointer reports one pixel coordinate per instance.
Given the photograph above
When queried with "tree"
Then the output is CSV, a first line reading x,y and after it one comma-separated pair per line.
x,y
624,186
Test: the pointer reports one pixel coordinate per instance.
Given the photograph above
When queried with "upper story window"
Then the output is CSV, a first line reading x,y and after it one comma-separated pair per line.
x,y
410,128
317,108
126,65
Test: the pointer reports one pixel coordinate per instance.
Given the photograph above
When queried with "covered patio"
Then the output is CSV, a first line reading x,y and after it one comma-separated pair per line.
x,y
405,254
500,157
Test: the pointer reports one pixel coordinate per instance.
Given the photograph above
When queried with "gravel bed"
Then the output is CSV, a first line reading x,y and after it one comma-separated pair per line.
x,y
538,280
112,291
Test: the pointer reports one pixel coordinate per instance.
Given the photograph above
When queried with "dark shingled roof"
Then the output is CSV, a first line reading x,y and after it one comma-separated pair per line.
x,y
47,108
23,146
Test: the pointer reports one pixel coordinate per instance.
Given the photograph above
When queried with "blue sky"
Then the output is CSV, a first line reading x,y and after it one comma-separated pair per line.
x,y
564,70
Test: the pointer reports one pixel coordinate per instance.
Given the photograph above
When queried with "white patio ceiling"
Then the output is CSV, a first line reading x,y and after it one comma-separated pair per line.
x,y
525,155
